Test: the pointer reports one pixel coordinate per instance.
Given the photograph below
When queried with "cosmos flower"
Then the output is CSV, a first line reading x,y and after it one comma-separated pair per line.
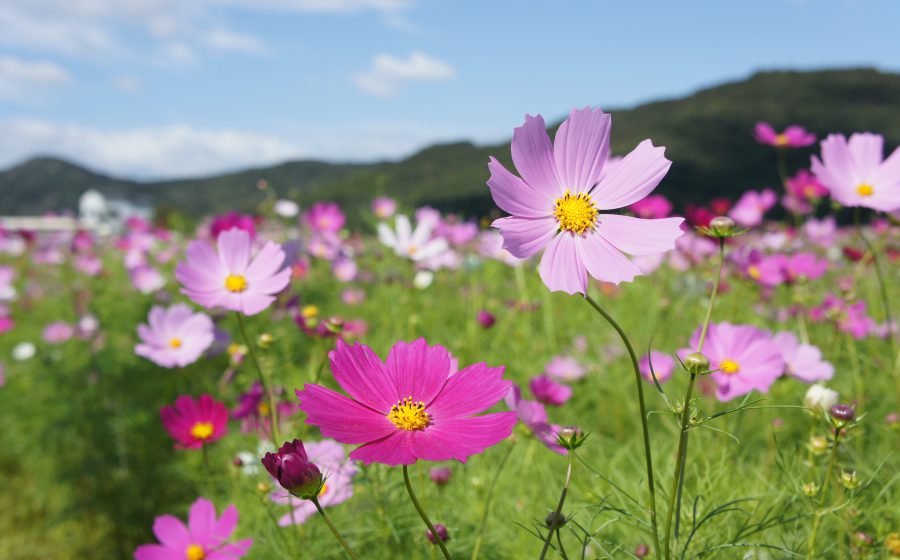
x,y
534,418
414,244
742,357
205,537
23,351
146,279
254,413
663,366
801,190
384,207
409,407
286,208
557,203
856,172
565,368
330,458
228,278
549,392
195,423
652,206
748,211
7,290
803,361
232,220
794,136
58,332
820,397
325,217
176,336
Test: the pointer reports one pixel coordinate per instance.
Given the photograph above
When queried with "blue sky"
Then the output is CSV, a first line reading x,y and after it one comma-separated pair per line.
x,y
157,88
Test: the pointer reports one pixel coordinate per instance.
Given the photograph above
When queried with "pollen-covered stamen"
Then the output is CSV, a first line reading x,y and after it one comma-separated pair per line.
x,y
195,552
175,343
202,430
409,415
781,140
865,189
235,283
575,212
729,366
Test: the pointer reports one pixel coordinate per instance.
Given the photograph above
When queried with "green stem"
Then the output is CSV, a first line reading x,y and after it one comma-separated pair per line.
x,y
639,385
273,409
555,525
811,546
422,514
487,503
681,454
882,286
334,530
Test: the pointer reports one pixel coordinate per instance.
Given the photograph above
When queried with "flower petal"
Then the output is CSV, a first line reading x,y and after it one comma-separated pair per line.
x,y
395,449
637,236
341,418
604,262
171,532
201,520
234,250
867,150
633,178
562,268
418,370
266,263
581,148
523,237
515,196
460,438
153,552
532,154
469,391
225,525
360,372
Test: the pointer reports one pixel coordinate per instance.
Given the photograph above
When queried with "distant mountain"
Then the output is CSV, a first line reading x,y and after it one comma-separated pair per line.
x,y
707,135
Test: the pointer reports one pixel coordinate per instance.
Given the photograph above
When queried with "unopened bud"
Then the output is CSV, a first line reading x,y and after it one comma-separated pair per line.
x,y
555,520
570,437
818,445
442,534
266,340
696,363
849,480
842,413
722,226
642,550
810,489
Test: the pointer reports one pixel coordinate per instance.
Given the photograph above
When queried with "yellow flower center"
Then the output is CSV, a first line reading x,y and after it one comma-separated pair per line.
x,y
575,212
235,283
263,409
175,343
729,366
195,552
781,140
409,415
323,490
202,430
865,189
309,311
754,272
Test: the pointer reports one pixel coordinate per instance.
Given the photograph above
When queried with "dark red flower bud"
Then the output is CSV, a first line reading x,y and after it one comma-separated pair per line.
x,y
843,412
442,534
293,471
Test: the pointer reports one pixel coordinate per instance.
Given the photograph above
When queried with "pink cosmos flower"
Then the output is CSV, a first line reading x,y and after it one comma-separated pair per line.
x,y
557,203
325,217
175,336
384,207
344,269
653,206
228,278
803,361
663,366
752,206
794,136
821,232
533,416
146,279
565,368
58,332
549,392
856,172
332,460
195,423
802,189
253,410
744,358
232,220
804,266
6,323
410,407
203,538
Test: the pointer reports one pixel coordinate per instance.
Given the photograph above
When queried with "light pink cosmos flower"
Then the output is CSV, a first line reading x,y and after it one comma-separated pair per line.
x,y
565,368
384,207
752,206
794,136
743,358
58,332
663,366
332,460
856,172
175,336
803,361
410,407
205,537
229,278
146,279
557,203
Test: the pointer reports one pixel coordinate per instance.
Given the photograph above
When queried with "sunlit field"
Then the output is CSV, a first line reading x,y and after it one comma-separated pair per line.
x,y
787,446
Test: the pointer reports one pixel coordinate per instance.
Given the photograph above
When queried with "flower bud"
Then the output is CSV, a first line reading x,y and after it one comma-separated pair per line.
x,y
810,489
696,363
642,550
555,520
849,480
820,397
818,445
293,471
486,319
442,534
722,226
570,437
440,475
862,539
842,413
266,340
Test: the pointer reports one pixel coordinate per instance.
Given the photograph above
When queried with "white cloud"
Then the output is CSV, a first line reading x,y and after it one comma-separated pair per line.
x,y
224,40
126,83
177,54
320,6
388,73
55,35
19,78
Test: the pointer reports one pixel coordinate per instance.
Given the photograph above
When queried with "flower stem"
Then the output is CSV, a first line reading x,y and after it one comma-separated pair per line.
x,y
811,545
487,502
555,525
273,409
681,454
879,274
422,514
640,393
334,530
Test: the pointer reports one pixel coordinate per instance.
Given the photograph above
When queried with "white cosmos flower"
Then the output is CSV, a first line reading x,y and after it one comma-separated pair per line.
x,y
414,244
23,351
820,397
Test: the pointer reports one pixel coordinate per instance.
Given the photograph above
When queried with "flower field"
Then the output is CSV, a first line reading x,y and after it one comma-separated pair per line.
x,y
591,373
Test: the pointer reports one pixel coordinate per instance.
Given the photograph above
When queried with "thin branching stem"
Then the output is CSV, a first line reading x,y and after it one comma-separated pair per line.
x,y
488,499
334,531
266,387
422,514
555,522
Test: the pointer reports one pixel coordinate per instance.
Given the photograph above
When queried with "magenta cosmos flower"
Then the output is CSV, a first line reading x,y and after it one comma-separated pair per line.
x,y
228,278
794,136
742,357
193,424
549,392
557,203
325,217
409,407
175,336
856,172
205,537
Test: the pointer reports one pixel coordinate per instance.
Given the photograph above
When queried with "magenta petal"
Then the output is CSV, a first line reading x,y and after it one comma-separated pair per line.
x,y
471,390
637,236
360,372
633,178
765,133
201,520
418,370
523,237
231,551
581,148
533,155
459,438
225,525
515,196
171,532
562,268
396,449
604,262
341,418
154,552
